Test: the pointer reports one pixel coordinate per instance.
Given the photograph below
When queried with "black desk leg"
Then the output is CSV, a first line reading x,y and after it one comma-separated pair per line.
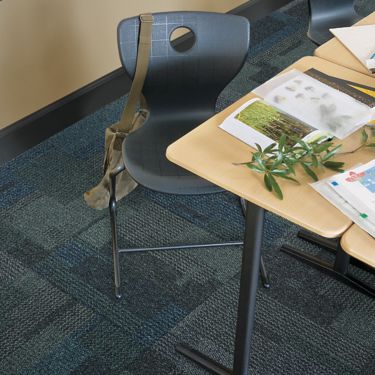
x,y
246,306
248,287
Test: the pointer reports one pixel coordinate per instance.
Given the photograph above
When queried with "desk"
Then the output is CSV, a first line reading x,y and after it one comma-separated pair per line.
x,y
334,51
210,153
359,244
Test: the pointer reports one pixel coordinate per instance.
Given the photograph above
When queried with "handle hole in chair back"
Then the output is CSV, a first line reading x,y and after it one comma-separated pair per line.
x,y
182,39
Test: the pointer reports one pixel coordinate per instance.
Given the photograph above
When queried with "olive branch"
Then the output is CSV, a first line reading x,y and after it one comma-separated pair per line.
x,y
280,160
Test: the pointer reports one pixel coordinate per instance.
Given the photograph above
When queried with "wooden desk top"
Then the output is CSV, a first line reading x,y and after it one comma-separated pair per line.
x,y
210,153
359,244
336,52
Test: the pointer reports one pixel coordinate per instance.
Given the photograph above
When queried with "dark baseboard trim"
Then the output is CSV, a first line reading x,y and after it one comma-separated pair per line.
x,y
37,127
40,125
254,10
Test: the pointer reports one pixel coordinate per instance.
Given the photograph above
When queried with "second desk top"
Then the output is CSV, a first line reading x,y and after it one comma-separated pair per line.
x,y
336,52
210,152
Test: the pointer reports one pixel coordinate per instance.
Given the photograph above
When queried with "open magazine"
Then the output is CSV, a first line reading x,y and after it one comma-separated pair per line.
x,y
297,105
353,192
358,187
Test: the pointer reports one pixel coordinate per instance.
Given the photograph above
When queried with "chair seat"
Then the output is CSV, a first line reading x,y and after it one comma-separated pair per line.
x,y
144,157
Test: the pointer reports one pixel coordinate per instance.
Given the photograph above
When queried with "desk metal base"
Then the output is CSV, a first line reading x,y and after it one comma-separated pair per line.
x,y
338,270
202,360
246,307
331,245
328,243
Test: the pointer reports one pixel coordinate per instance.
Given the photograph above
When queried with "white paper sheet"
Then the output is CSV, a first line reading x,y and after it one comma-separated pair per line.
x,y
255,126
359,40
323,188
315,103
357,186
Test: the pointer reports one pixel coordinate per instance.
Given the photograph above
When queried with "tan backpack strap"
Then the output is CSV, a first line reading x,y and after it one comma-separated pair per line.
x,y
144,46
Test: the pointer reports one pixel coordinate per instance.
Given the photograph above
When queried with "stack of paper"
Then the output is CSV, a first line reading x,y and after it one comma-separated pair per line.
x,y
315,103
360,40
298,106
353,193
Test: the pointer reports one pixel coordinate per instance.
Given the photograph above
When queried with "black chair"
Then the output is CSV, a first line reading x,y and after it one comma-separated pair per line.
x,y
329,14
181,88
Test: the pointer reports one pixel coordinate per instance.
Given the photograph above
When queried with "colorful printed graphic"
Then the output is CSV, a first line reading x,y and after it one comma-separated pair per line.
x,y
354,176
366,178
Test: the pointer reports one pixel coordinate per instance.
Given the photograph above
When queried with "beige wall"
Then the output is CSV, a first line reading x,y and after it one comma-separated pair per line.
x,y
50,48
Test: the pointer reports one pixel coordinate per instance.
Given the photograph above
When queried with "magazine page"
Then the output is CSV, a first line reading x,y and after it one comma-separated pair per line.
x,y
357,186
359,40
315,103
256,122
323,187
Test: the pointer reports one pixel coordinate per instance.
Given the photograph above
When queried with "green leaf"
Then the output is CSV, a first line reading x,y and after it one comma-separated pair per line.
x,y
331,153
304,145
322,147
280,172
259,161
259,148
269,148
254,168
364,136
370,145
278,159
290,160
314,160
309,171
290,178
275,187
282,142
334,165
267,182
291,168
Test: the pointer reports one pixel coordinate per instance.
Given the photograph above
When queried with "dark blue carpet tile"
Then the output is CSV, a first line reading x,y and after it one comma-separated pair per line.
x,y
58,312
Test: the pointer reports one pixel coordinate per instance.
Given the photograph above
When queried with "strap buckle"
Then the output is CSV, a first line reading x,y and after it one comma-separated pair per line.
x,y
146,17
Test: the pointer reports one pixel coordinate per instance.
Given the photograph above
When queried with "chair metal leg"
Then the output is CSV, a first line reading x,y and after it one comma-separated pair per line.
x,y
113,219
115,249
263,271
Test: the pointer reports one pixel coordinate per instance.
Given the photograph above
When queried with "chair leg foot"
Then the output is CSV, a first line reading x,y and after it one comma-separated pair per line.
x,y
118,293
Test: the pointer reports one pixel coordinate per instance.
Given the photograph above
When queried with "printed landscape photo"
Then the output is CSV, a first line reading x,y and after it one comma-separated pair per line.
x,y
273,123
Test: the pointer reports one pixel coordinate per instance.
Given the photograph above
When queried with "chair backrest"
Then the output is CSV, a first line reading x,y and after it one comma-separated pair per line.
x,y
194,78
